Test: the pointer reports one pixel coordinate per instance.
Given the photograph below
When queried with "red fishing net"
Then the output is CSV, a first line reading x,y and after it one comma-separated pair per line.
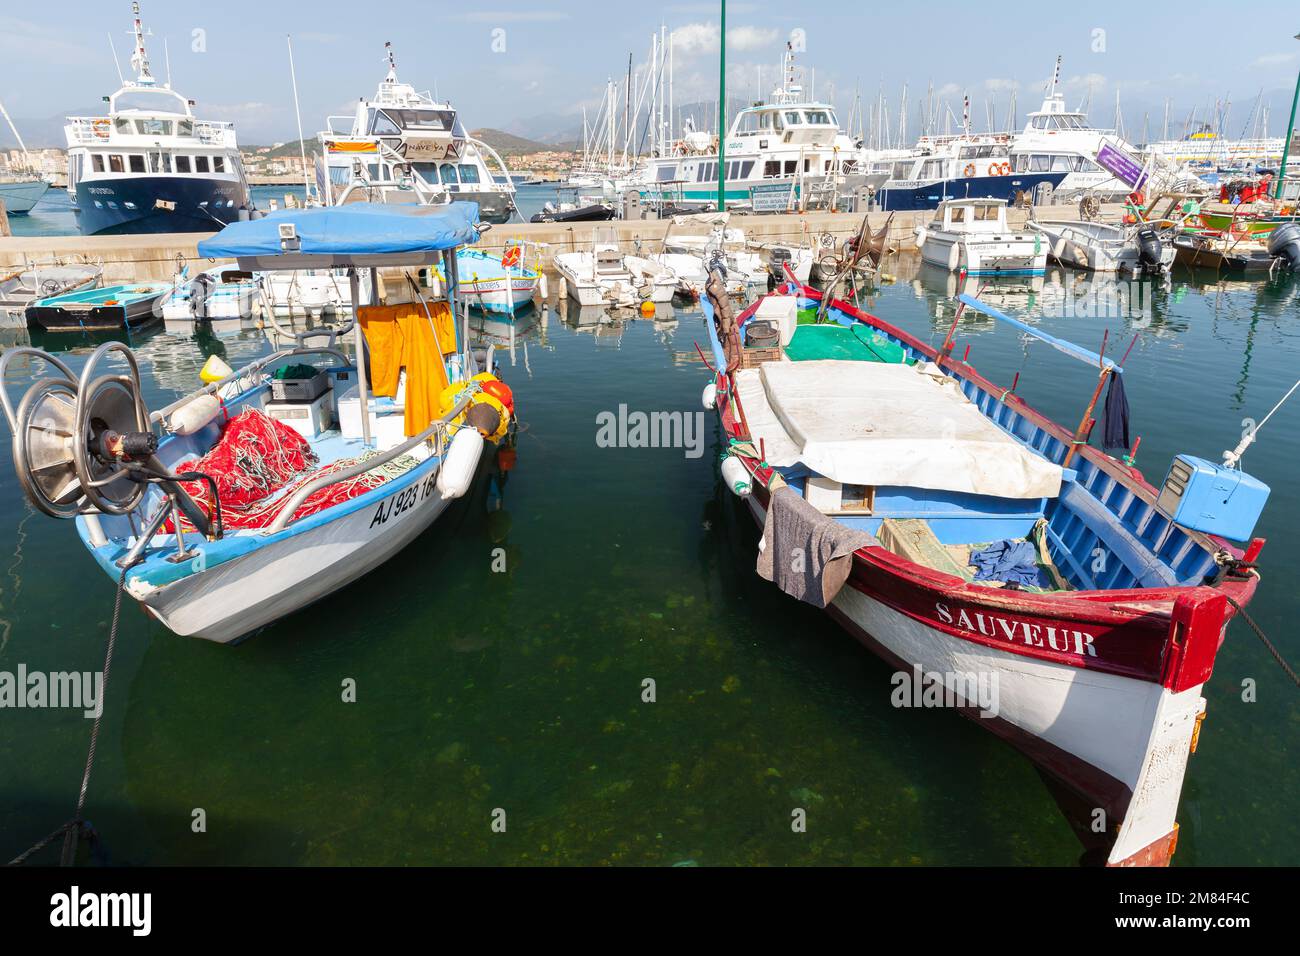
x,y
254,459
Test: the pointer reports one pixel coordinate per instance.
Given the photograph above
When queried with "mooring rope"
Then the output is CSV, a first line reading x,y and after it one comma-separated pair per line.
x,y
73,828
1277,656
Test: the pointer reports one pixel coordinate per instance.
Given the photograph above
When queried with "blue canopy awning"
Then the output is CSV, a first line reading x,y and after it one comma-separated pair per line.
x,y
361,234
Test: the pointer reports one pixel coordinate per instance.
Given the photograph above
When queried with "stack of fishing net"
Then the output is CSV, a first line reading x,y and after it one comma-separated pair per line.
x,y
258,463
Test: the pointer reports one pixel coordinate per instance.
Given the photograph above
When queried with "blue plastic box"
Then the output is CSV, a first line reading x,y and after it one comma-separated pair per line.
x,y
1205,496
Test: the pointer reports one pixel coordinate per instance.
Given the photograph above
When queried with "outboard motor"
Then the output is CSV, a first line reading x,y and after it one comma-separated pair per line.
x,y
776,261
1149,248
1284,244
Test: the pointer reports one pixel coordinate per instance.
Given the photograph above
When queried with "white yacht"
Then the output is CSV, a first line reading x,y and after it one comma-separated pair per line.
x,y
1059,140
151,166
972,236
403,146
786,153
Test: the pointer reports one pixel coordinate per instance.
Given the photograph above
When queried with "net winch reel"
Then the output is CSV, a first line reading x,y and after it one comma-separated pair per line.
x,y
86,447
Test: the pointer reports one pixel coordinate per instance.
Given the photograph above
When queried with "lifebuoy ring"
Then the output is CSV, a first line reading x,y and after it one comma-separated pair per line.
x,y
510,258
969,171
1006,169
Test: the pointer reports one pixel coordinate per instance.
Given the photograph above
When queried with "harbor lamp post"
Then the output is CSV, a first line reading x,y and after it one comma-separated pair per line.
x,y
1290,134
722,112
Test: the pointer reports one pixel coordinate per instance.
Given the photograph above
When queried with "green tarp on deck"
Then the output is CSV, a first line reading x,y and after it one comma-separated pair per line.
x,y
853,343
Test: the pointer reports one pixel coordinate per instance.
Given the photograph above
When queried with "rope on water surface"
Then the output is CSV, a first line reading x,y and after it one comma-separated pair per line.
x,y
1277,656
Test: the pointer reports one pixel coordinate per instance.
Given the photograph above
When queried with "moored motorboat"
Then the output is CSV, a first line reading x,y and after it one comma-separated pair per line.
x,y
605,275
20,288
91,310
275,485
972,236
1108,247
974,544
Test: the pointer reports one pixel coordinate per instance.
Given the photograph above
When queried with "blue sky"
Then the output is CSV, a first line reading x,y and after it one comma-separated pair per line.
x,y
558,53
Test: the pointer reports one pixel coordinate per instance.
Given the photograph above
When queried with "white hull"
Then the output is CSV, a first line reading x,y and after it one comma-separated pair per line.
x,y
235,598
641,280
979,255
1137,733
1081,251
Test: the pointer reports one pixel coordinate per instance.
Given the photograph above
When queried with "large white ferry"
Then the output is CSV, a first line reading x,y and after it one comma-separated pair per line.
x,y
403,146
150,165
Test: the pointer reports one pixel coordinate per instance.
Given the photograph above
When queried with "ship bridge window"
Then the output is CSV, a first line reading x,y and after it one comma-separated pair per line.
x,y
771,167
789,167
185,128
792,117
666,173
765,121
97,162
749,124
818,117
160,162
154,127
448,173
986,213
218,164
182,164
1039,122
381,125
436,120
201,164
468,173
123,125
137,163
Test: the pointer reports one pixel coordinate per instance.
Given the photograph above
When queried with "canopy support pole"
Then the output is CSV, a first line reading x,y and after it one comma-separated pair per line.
x,y
362,390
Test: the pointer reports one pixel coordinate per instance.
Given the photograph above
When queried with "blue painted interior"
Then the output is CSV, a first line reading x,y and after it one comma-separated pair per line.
x,y
1101,535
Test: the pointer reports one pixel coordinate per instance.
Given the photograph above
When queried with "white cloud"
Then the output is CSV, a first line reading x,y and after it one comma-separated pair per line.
x,y
694,39
1270,60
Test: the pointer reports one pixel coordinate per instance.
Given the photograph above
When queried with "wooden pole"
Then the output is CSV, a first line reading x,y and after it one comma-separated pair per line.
x,y
4,221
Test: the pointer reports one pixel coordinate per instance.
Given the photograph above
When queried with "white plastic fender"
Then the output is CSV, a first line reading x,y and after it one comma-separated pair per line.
x,y
710,396
192,416
459,463
736,475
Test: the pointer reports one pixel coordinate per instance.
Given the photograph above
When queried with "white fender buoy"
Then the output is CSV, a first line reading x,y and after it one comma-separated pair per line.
x,y
459,463
736,475
192,416
710,397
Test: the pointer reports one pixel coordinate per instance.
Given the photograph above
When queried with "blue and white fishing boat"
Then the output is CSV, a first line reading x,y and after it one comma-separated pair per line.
x,y
149,165
500,283
95,310
273,486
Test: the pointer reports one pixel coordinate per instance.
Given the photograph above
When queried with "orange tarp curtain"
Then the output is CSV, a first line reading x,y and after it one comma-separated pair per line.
x,y
401,336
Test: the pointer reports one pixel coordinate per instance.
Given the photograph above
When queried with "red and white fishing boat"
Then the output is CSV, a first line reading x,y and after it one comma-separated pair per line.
x,y
1098,672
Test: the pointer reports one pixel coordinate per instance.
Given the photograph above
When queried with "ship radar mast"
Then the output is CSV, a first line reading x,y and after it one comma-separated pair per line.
x,y
140,58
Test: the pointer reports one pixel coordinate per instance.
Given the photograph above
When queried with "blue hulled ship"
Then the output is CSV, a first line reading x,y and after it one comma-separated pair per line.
x,y
149,166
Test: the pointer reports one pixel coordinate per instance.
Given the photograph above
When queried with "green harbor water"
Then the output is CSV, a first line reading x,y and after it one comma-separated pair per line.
x,y
522,690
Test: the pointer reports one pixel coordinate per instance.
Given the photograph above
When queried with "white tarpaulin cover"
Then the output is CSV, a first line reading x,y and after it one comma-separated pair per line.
x,y
869,423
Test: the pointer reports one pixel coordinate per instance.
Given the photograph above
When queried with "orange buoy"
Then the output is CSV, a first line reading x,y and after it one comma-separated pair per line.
x,y
647,309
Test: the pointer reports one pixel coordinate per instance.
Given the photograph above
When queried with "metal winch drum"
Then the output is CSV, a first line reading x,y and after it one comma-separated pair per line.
x,y
83,446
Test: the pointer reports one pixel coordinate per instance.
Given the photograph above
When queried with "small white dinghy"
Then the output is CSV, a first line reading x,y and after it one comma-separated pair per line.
x,y
605,275
221,294
972,236
273,486
1138,249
